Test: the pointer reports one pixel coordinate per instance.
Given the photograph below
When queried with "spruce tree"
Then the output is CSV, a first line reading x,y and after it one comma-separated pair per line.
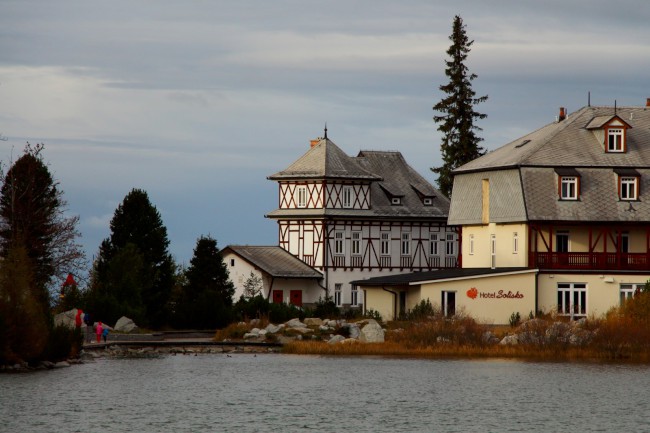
x,y
460,144
134,270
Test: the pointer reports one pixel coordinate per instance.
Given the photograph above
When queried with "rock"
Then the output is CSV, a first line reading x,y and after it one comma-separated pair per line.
x,y
336,339
67,318
255,331
124,324
262,332
510,340
489,338
372,333
295,323
61,364
558,332
249,335
313,321
350,341
271,328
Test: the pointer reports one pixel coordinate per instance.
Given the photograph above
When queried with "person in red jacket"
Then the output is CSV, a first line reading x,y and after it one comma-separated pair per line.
x,y
98,331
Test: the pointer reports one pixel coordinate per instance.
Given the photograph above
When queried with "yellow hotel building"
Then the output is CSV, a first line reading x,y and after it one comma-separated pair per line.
x,y
557,220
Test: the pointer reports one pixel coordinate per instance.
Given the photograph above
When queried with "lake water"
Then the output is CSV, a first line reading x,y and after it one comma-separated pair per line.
x,y
284,393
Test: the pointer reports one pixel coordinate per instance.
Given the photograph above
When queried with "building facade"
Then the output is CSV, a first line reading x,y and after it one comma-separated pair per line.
x,y
569,202
360,217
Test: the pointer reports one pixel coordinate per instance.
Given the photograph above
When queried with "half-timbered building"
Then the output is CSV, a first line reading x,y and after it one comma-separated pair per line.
x,y
565,210
360,217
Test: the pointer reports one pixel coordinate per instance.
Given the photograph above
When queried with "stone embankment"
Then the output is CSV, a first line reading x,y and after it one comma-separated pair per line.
x,y
334,331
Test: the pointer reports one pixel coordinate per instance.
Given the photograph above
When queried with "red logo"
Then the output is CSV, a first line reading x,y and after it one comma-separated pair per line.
x,y
472,293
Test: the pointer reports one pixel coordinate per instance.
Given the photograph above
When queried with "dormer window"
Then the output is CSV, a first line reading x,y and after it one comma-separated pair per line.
x,y
628,183
427,201
568,183
615,140
396,201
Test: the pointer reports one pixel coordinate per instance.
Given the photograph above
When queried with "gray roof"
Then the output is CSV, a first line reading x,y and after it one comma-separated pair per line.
x,y
388,173
274,260
571,144
324,160
441,274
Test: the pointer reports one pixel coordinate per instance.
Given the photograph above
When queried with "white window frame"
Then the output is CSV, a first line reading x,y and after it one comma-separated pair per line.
x,y
396,201
301,196
337,294
405,244
569,187
572,299
615,140
385,244
354,296
339,243
434,244
627,291
450,244
629,187
471,245
355,243
493,251
515,243
446,294
347,196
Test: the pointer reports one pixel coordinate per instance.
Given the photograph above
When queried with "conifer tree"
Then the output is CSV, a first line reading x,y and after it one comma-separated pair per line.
x,y
460,144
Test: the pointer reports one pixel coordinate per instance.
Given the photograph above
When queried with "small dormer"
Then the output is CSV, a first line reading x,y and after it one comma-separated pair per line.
x,y
396,198
611,133
426,199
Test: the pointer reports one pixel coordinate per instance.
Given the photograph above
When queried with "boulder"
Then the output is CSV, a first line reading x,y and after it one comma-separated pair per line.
x,y
313,321
67,318
295,323
352,329
271,328
336,339
372,333
510,340
124,324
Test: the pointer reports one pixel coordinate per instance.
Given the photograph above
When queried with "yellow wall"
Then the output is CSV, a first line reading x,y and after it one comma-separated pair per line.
x,y
603,290
504,243
380,300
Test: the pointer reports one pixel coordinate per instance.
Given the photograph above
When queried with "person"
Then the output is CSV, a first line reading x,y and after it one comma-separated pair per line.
x,y
77,319
99,331
105,334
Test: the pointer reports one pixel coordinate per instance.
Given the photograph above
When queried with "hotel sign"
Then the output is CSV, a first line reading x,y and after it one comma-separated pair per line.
x,y
473,293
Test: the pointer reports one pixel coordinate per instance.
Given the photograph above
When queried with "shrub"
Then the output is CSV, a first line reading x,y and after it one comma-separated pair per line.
x,y
63,343
515,319
325,308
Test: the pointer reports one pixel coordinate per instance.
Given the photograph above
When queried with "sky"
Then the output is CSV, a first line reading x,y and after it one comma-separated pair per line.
x,y
198,101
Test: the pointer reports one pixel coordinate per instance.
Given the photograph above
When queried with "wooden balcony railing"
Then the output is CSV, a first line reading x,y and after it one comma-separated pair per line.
x,y
591,261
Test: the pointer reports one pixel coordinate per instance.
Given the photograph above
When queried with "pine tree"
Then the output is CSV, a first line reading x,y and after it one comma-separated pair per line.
x,y
207,298
134,270
460,144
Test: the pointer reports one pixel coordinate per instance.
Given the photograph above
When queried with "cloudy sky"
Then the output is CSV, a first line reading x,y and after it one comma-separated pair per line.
x,y
198,101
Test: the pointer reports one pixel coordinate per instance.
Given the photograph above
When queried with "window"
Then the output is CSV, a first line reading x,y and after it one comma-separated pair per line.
x,y
615,140
569,188
515,243
562,242
356,243
628,187
628,290
354,300
385,244
337,294
448,303
301,196
625,242
471,244
347,196
396,200
427,201
433,244
232,262
450,244
406,244
338,243
493,251
572,299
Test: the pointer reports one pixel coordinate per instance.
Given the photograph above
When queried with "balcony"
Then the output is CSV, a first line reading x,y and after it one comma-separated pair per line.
x,y
591,261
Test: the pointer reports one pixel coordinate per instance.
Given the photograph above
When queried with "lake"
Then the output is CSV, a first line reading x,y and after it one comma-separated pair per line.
x,y
287,393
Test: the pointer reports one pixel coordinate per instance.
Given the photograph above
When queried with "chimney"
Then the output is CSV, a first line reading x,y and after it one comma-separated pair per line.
x,y
314,142
562,115
647,102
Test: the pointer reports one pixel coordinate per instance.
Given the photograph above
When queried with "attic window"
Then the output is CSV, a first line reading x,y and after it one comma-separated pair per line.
x,y
396,201
568,183
427,201
628,183
615,140
523,143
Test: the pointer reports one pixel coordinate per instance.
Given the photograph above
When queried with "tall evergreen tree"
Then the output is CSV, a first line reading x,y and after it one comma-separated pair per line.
x,y
460,144
134,268
32,215
207,296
